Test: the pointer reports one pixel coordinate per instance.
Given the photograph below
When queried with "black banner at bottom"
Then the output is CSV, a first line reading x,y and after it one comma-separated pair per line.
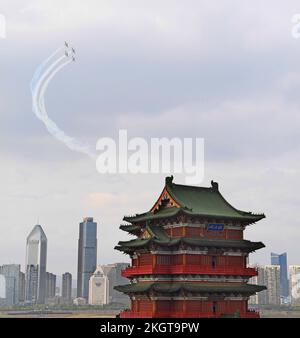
x,y
94,327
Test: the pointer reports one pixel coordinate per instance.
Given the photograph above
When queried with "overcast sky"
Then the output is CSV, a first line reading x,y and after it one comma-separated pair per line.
x,y
227,71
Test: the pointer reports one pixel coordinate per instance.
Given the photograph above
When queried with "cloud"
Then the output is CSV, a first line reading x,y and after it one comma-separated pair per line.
x,y
98,199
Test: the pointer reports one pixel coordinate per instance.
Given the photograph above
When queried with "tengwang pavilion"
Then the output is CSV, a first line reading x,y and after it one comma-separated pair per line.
x,y
189,256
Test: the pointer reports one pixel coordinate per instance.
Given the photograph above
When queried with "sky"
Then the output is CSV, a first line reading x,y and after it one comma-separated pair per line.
x,y
228,72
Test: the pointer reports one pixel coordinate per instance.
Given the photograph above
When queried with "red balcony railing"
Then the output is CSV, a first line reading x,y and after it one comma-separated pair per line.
x,y
188,269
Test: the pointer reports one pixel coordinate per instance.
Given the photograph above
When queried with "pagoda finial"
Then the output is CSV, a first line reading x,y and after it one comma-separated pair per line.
x,y
215,186
169,180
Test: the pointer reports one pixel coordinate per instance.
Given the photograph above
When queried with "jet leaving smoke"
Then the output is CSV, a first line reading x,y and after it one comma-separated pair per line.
x,y
39,84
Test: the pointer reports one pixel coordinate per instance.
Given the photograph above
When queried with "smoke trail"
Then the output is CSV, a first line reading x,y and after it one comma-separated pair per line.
x,y
38,71
51,126
39,85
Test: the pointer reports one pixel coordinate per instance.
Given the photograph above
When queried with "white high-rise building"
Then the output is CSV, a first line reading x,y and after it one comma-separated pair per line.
x,y
294,278
98,288
272,278
268,275
11,274
36,258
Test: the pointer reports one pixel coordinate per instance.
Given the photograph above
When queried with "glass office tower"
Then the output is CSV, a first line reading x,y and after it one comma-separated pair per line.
x,y
281,260
36,258
87,255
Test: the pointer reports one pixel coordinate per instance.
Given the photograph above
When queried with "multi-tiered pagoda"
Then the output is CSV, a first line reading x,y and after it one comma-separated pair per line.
x,y
189,257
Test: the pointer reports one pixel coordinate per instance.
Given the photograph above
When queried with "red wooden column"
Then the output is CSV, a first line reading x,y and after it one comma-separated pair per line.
x,y
154,261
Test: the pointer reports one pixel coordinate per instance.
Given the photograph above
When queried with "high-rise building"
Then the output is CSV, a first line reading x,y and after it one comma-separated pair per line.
x,y
50,285
11,273
269,276
87,255
31,284
281,260
67,287
294,277
262,296
2,290
272,281
22,287
114,275
36,258
98,288
189,256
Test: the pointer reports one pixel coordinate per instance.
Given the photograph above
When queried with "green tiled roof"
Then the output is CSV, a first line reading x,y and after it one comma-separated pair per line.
x,y
130,228
200,201
169,242
174,287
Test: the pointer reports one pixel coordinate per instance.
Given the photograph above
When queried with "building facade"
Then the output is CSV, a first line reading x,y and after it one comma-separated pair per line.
x,y
189,256
114,275
98,288
11,273
269,276
36,260
294,278
22,287
2,290
87,255
272,281
31,284
281,260
67,288
50,285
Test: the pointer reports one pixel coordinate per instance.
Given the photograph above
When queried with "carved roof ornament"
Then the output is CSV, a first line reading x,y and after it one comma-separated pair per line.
x,y
215,186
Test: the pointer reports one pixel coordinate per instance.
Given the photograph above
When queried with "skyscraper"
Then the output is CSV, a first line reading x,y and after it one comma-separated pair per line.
x,y
11,273
21,287
113,273
87,255
281,260
272,278
31,283
50,285
67,287
268,275
98,288
36,258
294,274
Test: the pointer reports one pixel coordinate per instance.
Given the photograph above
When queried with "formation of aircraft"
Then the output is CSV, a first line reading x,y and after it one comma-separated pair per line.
x,y
70,51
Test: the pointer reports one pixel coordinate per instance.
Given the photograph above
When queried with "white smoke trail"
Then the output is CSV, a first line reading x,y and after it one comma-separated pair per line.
x,y
39,85
43,65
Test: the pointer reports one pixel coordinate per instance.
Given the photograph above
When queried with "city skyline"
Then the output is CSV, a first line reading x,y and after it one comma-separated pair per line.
x,y
155,66
73,268
268,275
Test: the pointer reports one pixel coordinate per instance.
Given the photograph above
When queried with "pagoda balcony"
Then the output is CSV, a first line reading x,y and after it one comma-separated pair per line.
x,y
187,269
149,314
